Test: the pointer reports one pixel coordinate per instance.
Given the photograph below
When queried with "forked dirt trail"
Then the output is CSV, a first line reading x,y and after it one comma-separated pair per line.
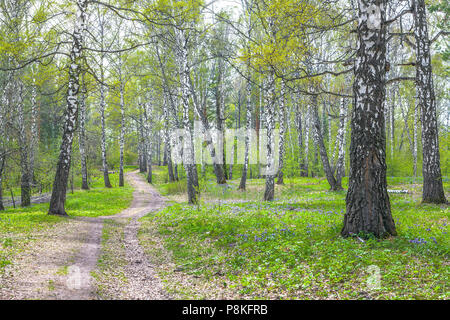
x,y
60,265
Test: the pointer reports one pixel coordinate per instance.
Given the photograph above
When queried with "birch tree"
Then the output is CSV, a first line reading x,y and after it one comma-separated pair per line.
x,y
433,191
82,135
58,198
368,209
282,122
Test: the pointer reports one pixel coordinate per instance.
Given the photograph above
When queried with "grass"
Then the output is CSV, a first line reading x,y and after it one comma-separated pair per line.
x,y
19,226
291,248
112,262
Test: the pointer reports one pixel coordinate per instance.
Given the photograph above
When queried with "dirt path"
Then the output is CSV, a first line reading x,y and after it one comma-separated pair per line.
x,y
60,265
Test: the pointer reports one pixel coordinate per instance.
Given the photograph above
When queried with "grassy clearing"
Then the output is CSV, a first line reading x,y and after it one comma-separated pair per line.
x,y
21,225
291,248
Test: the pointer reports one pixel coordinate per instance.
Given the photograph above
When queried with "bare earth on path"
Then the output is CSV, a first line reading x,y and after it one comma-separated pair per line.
x,y
59,264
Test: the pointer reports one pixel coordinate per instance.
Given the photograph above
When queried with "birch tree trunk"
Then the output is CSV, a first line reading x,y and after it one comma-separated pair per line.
x,y
220,117
340,162
148,139
218,168
188,150
58,197
300,140
34,131
433,191
141,143
82,136
167,138
415,141
269,192
319,141
25,189
307,129
282,122
103,142
248,127
3,107
368,208
2,166
170,118
122,135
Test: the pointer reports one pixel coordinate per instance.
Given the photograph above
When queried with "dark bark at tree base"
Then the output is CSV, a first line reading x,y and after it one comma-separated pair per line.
x,y
175,172
121,177
280,180
433,191
368,210
220,175
336,188
25,197
1,198
269,193
58,197
243,178
192,184
149,175
106,179
170,170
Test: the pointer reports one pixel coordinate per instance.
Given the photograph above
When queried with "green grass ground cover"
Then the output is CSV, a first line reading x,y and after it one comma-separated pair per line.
x,y
19,226
291,248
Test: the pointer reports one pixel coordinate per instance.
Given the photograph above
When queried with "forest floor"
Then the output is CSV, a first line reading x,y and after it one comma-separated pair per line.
x,y
146,242
234,246
68,260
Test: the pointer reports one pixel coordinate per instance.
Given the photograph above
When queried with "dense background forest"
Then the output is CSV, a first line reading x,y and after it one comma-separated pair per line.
x,y
358,92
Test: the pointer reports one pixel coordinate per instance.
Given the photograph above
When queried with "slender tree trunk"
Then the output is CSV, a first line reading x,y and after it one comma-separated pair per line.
x,y
1,186
148,139
392,123
262,125
34,132
4,105
301,150
368,209
307,129
220,115
167,138
248,127
2,164
415,139
82,136
433,191
405,119
103,143
282,121
321,145
340,162
171,119
269,192
175,172
122,136
58,197
25,195
188,150
103,105
141,142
